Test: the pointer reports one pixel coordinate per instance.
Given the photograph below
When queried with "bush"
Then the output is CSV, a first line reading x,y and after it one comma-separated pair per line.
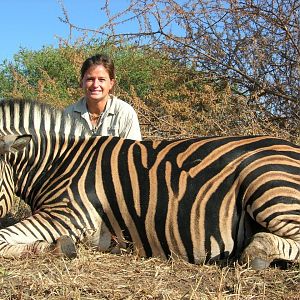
x,y
172,100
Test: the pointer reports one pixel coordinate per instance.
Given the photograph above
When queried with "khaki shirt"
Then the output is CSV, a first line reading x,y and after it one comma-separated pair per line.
x,y
118,118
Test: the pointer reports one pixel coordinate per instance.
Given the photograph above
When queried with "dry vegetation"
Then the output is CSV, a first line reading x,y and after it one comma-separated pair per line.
x,y
107,276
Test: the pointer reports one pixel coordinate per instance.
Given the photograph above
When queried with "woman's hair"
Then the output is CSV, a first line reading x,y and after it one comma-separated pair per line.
x,y
99,59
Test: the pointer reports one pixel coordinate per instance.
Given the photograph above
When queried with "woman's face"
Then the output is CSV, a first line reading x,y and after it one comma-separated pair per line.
x,y
96,84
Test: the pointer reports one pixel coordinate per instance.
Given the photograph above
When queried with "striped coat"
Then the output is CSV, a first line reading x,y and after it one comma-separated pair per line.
x,y
202,199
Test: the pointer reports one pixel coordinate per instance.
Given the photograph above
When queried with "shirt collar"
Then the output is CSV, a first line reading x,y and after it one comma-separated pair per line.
x,y
109,107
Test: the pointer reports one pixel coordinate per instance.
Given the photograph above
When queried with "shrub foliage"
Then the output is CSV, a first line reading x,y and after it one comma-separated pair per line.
x,y
173,100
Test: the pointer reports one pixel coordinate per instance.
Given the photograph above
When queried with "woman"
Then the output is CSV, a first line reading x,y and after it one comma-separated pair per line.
x,y
104,113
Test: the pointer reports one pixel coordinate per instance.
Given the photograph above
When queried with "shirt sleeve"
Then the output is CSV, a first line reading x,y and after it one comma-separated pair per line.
x,y
69,109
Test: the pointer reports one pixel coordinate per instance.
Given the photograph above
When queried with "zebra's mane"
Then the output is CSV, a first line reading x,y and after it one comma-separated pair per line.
x,y
24,116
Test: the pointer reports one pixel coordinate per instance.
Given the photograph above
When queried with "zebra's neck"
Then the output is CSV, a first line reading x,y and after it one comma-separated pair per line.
x,y
32,166
52,133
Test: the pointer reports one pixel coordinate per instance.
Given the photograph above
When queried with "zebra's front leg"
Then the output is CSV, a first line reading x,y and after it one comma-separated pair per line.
x,y
31,237
265,248
64,246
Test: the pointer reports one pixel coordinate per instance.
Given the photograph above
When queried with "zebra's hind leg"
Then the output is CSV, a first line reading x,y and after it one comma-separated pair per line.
x,y
265,248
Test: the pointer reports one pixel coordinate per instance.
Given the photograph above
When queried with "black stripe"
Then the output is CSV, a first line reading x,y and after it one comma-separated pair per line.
x,y
109,187
268,186
127,187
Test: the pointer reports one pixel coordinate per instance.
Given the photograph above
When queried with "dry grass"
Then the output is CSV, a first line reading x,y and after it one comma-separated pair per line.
x,y
108,276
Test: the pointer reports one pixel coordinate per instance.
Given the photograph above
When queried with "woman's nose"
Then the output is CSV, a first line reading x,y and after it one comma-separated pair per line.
x,y
96,82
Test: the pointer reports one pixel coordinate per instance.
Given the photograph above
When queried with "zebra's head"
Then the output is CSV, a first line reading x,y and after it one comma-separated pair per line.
x,y
8,144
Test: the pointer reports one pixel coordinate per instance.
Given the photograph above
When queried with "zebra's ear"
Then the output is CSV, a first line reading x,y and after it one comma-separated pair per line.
x,y
13,143
21,142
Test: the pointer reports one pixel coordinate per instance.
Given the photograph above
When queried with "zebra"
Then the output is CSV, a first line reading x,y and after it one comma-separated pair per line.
x,y
204,199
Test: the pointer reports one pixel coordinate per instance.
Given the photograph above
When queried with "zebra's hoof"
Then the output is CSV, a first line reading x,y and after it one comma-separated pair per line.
x,y
65,246
259,264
